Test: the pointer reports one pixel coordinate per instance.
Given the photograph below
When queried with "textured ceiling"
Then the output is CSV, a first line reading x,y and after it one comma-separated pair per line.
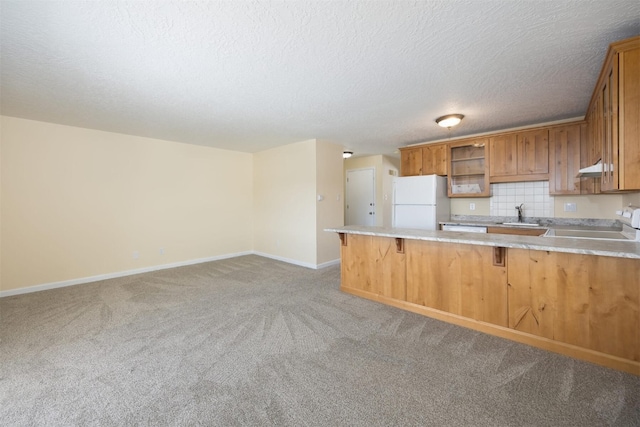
x,y
251,75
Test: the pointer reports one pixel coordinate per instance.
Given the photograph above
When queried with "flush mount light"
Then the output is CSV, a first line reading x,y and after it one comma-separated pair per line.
x,y
347,154
449,120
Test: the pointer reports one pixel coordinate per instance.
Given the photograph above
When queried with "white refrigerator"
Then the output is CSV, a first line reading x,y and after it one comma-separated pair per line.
x,y
420,202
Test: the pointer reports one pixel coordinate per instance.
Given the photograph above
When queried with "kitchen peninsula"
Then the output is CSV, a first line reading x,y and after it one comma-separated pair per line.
x,y
576,297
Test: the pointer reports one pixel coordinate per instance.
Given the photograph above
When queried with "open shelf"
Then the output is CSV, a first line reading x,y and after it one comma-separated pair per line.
x,y
468,170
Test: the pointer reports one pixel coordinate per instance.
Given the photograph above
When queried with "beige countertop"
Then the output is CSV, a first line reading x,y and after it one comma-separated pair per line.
x,y
612,248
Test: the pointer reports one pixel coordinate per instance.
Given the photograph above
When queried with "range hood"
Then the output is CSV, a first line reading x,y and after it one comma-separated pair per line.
x,y
593,171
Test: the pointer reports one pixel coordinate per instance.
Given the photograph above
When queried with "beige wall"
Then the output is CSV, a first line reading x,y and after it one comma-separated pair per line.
x,y
78,202
289,219
329,211
390,169
460,206
631,199
589,206
285,202
384,180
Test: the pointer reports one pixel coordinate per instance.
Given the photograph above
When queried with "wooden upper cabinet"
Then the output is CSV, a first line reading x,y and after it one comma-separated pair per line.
x,y
590,150
469,168
564,159
504,156
425,160
434,159
519,157
614,117
533,152
594,123
410,161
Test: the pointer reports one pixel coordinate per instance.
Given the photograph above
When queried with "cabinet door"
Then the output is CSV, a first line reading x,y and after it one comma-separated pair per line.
x,y
434,159
468,174
564,159
629,120
504,156
588,153
610,129
533,152
595,145
411,162
438,277
520,157
374,265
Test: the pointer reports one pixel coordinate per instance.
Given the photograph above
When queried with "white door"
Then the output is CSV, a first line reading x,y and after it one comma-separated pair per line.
x,y
360,200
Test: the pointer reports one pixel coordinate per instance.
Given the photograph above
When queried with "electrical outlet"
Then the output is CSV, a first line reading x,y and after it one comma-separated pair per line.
x,y
472,206
161,251
136,254
570,207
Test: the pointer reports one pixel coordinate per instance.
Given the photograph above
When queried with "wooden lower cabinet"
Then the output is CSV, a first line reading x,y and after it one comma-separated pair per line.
x,y
584,300
457,278
374,264
517,231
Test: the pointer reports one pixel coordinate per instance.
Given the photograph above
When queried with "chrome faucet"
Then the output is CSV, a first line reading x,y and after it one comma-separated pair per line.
x,y
519,209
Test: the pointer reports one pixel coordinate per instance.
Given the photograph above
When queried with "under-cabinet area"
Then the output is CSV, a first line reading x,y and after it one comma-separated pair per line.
x,y
569,300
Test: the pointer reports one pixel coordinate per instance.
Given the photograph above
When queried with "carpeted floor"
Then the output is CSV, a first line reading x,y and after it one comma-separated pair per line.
x,y
252,341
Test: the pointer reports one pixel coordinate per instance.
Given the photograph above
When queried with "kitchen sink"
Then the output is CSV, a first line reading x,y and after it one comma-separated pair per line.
x,y
586,234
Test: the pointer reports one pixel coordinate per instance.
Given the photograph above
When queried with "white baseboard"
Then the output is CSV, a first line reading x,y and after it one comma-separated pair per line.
x,y
90,279
287,260
299,263
328,264
99,277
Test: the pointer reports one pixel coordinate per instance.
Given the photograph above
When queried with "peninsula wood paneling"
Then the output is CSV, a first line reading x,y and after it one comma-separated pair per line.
x,y
373,264
531,293
584,300
456,278
583,306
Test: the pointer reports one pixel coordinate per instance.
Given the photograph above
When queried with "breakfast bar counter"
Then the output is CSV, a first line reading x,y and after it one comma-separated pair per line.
x,y
611,248
578,297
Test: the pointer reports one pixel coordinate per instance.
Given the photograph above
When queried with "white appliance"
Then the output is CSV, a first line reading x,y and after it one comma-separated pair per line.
x,y
420,202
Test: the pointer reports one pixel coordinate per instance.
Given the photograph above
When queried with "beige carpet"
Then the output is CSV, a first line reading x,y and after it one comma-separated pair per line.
x,y
252,341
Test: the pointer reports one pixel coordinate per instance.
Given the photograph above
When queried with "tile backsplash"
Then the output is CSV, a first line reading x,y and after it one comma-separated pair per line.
x,y
533,195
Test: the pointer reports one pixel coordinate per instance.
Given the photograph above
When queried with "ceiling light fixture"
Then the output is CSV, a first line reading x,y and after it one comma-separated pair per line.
x,y
347,154
449,120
